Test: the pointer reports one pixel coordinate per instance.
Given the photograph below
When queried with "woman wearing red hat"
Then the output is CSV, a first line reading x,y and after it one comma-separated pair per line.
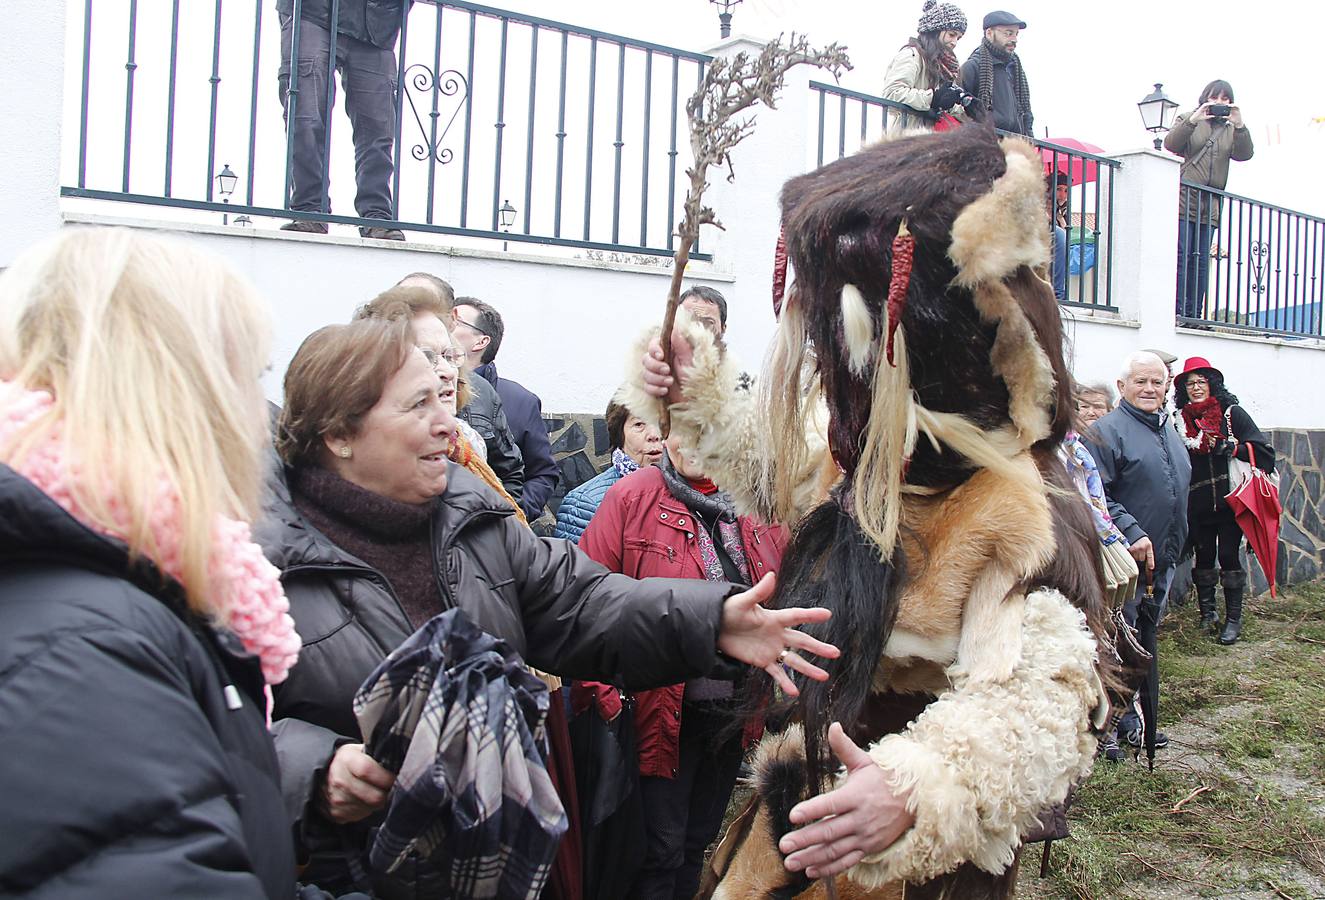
x,y
1214,429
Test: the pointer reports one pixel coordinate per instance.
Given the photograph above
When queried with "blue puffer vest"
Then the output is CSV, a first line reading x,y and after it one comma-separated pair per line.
x,y
581,503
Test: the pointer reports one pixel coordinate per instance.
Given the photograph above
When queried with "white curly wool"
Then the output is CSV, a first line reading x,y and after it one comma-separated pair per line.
x,y
983,761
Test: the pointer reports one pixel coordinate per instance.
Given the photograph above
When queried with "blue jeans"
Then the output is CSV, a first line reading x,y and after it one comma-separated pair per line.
x,y
1059,267
1193,268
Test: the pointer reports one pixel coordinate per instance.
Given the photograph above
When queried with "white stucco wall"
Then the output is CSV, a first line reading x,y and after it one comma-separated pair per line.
x,y
31,108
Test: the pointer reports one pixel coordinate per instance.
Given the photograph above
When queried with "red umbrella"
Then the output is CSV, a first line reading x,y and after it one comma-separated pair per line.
x,y
1061,154
1255,505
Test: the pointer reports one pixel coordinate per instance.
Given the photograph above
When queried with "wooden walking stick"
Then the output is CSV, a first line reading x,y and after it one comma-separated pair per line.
x,y
731,86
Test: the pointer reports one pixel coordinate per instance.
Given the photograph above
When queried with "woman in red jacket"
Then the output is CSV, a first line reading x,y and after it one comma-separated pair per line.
x,y
670,520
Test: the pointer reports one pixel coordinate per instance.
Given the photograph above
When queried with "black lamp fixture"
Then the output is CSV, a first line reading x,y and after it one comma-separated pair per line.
x,y
725,15
1157,112
225,186
506,216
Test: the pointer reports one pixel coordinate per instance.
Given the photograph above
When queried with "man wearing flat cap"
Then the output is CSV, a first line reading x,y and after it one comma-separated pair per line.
x,y
993,73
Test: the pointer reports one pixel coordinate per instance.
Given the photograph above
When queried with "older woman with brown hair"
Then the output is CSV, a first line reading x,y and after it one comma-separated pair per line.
x,y
634,443
376,531
479,408
1094,401
428,313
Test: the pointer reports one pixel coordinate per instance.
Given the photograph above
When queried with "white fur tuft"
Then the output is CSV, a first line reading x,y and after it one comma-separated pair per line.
x,y
858,328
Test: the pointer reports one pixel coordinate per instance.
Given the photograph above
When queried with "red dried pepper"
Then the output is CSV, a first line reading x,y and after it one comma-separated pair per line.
x,y
779,272
904,251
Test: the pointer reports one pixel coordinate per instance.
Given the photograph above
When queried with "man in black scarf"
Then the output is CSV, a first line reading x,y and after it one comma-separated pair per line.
x,y
994,74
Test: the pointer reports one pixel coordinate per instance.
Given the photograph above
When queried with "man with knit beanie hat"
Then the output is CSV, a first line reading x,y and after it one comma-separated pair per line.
x,y
924,73
993,73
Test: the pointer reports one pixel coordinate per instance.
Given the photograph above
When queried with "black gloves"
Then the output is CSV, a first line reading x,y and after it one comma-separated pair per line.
x,y
946,97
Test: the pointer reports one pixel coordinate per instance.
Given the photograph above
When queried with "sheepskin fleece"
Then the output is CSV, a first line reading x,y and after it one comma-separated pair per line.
x,y
1005,228
984,760
719,423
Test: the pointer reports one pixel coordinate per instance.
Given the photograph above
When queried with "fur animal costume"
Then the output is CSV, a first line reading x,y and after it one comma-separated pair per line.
x,y
933,515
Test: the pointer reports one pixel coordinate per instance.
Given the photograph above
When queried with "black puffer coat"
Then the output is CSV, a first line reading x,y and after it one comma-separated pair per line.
x,y
486,415
125,773
560,610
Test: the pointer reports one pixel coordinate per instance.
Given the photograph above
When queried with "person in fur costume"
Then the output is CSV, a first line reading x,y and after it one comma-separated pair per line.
x,y
907,424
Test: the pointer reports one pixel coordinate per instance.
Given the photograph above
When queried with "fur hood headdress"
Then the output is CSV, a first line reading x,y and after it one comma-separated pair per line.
x,y
953,373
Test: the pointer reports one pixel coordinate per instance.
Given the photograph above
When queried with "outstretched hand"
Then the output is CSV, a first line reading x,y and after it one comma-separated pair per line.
x,y
862,817
767,638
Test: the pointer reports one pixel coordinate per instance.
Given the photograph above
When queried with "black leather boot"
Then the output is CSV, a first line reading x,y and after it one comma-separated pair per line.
x,y
1235,584
1206,580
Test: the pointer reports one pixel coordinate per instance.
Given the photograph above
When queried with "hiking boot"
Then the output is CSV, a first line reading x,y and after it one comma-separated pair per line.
x,y
305,227
1206,580
378,233
1235,584
1112,752
1135,737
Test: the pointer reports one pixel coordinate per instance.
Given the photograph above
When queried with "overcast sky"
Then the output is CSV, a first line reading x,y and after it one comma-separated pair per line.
x,y
1087,63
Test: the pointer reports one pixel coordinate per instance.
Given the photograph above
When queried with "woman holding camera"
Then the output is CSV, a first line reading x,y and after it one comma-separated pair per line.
x,y
1206,138
923,74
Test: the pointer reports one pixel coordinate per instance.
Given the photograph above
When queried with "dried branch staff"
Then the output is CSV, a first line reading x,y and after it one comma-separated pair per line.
x,y
731,85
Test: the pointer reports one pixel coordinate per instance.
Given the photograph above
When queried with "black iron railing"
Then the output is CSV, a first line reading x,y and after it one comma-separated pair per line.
x,y
1082,250
482,118
1248,265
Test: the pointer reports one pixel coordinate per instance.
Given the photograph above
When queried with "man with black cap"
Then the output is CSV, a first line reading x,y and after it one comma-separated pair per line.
x,y
993,73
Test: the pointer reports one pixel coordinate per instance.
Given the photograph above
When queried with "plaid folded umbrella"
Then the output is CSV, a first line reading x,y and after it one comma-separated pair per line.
x,y
454,713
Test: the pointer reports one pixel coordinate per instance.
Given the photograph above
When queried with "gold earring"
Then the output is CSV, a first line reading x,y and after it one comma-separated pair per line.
x,y
345,452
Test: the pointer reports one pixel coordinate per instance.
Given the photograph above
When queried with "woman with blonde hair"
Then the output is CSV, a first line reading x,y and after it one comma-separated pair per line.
x,y
138,622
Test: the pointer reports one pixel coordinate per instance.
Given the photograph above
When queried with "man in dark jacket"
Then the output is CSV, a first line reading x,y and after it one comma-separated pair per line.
x,y
137,762
1146,471
994,74
479,331
364,41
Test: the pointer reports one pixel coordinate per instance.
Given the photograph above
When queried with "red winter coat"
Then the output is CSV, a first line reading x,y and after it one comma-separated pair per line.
x,y
641,530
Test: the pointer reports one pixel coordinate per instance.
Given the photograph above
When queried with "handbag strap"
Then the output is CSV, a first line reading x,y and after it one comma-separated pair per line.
x,y
1251,449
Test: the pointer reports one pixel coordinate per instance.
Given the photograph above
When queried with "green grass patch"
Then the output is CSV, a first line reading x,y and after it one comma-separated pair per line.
x,y
1238,802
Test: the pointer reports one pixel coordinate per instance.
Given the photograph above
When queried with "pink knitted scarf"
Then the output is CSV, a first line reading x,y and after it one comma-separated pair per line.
x,y
243,587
